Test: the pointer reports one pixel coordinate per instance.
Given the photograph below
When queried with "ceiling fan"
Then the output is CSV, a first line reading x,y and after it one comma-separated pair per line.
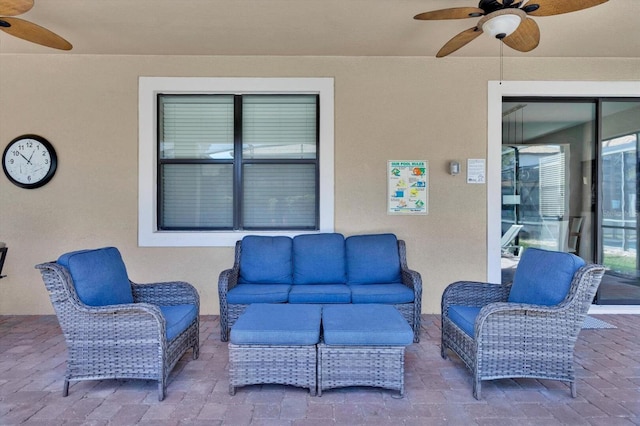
x,y
27,30
507,20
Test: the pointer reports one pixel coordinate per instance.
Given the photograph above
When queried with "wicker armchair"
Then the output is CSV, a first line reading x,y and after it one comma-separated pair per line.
x,y
139,340
507,339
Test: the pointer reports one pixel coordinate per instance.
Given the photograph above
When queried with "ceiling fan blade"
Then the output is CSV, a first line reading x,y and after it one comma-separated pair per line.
x,y
34,33
15,7
459,41
525,38
452,13
555,7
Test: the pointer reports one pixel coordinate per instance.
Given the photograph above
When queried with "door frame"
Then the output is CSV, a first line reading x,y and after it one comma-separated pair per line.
x,y
496,91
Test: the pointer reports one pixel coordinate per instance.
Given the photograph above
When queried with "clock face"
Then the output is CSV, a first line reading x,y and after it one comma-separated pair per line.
x,y
29,161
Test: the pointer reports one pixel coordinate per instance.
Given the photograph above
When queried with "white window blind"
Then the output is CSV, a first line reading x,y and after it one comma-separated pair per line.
x,y
552,185
197,196
277,196
196,126
279,126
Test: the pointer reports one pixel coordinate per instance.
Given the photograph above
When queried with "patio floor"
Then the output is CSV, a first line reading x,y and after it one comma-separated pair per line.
x,y
32,364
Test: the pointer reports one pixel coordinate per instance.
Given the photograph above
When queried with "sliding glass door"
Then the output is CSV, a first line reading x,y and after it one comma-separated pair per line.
x,y
570,170
619,202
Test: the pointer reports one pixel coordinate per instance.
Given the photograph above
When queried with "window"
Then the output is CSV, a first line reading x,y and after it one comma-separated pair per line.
x,y
224,157
237,162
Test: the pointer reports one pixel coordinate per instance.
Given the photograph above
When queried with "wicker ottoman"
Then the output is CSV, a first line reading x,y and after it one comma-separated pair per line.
x,y
363,345
275,343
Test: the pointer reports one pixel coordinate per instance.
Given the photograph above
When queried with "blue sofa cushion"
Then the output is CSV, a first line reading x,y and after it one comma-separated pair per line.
x,y
266,260
365,325
245,294
283,324
319,259
543,277
464,317
178,318
381,293
373,259
320,293
99,276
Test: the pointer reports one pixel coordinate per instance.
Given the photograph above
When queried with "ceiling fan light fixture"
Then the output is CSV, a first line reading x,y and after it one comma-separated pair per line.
x,y
502,26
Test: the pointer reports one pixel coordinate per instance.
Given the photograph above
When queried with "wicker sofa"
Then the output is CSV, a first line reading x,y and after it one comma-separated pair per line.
x,y
322,268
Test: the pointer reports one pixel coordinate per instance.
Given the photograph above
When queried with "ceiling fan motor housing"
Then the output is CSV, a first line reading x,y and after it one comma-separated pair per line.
x,y
502,23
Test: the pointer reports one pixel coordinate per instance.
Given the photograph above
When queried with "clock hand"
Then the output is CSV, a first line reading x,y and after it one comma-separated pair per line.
x,y
31,156
28,159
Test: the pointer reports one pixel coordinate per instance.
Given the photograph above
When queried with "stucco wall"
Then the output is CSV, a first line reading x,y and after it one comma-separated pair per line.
x,y
385,108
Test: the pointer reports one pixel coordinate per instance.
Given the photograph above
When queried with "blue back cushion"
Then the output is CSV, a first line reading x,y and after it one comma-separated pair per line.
x,y
373,259
99,276
543,277
319,259
266,260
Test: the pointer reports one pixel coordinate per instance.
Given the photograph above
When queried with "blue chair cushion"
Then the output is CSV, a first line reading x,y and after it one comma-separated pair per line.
x,y
543,277
365,325
265,260
464,317
373,259
245,294
277,324
178,318
319,259
320,293
381,293
99,276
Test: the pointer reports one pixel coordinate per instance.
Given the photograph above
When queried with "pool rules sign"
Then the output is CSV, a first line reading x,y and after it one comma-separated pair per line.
x,y
408,187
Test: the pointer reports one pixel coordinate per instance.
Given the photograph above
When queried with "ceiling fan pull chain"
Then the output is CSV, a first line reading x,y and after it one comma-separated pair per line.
x,y
501,65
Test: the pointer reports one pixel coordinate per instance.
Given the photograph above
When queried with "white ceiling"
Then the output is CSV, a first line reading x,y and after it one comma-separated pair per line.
x,y
311,28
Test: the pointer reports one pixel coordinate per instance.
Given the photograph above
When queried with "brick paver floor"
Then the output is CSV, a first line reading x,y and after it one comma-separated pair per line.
x,y
32,364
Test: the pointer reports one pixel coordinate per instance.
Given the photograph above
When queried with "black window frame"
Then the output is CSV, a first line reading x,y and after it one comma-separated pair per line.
x,y
238,162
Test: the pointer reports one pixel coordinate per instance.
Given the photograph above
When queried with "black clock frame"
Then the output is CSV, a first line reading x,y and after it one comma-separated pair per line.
x,y
52,168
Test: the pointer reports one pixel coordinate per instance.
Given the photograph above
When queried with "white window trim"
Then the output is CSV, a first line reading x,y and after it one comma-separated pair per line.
x,y
496,91
150,87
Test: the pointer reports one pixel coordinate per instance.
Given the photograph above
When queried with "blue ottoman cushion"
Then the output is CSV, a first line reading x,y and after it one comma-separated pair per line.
x,y
99,276
278,324
365,325
381,293
373,259
319,259
266,260
320,293
543,277
245,294
178,318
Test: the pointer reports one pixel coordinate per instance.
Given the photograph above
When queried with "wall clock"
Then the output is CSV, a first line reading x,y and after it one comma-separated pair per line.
x,y
29,161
